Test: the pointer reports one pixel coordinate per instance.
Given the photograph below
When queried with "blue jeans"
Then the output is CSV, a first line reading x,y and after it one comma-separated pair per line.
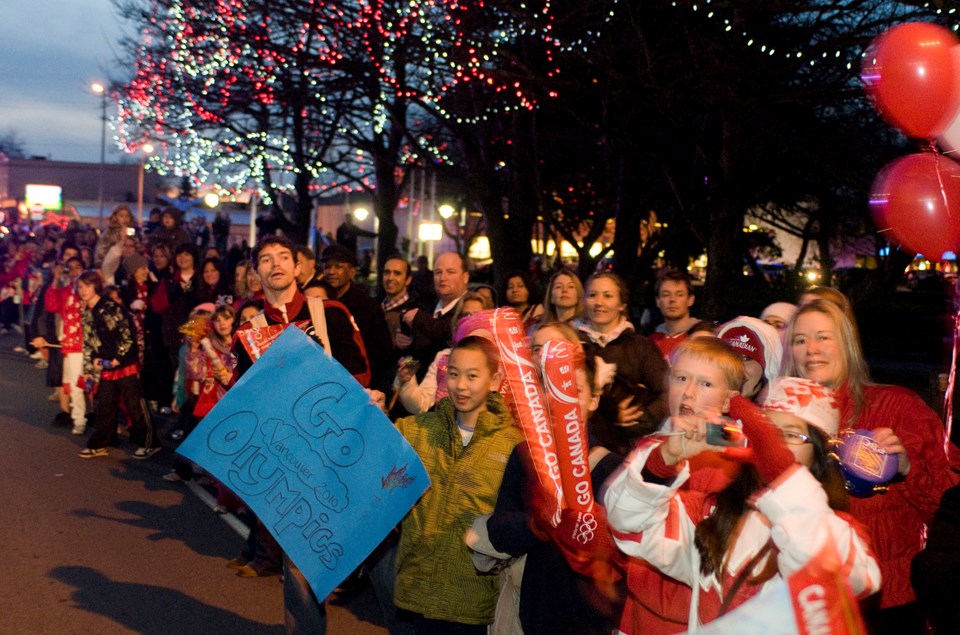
x,y
382,573
302,613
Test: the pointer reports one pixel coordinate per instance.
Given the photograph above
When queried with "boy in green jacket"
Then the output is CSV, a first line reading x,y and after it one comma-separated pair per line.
x,y
464,445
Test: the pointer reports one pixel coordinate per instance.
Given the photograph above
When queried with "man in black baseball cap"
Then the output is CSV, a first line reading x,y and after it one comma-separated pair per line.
x,y
339,253
339,271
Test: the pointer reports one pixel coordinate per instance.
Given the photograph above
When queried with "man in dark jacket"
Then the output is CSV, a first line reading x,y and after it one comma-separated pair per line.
x,y
339,271
309,276
432,329
276,262
398,298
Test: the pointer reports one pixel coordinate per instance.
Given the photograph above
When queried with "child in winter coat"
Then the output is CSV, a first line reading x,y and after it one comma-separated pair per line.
x,y
775,515
464,445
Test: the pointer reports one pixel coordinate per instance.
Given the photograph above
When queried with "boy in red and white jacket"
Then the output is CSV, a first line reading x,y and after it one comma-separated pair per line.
x,y
781,515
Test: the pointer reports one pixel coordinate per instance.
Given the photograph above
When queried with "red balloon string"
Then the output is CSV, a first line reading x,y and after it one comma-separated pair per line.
x,y
952,377
943,188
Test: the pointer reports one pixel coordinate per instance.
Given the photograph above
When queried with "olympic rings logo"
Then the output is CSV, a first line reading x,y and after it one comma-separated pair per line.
x,y
586,529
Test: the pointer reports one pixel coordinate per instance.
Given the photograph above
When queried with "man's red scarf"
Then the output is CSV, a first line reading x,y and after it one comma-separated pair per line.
x,y
293,307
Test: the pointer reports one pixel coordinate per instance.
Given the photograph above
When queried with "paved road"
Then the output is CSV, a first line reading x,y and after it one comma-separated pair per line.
x,y
106,546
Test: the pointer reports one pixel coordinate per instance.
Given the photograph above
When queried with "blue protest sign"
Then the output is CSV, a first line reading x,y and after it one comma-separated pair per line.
x,y
324,469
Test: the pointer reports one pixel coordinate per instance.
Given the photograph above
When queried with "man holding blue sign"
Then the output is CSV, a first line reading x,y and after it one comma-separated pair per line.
x,y
299,459
276,262
278,275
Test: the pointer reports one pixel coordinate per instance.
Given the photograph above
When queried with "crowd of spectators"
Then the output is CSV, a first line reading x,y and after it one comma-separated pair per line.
x,y
134,324
153,275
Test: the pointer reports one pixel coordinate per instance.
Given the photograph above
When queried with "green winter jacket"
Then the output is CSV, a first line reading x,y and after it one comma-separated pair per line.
x,y
435,574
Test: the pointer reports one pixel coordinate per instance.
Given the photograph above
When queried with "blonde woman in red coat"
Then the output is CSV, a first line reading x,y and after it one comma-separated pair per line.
x,y
823,345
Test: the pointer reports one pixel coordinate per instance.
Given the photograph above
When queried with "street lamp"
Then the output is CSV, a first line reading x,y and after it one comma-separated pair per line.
x,y
430,232
101,90
361,214
147,150
211,200
445,211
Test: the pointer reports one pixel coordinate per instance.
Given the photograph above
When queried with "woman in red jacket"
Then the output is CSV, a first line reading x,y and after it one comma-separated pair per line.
x,y
822,345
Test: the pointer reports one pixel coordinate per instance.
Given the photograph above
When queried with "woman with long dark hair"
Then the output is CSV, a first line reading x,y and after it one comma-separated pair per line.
x,y
212,284
523,295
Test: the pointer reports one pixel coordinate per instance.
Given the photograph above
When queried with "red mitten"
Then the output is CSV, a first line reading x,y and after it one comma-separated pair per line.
x,y
586,544
657,466
769,454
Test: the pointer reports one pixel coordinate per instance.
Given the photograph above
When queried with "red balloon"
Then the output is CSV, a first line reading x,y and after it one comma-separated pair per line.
x,y
908,71
917,198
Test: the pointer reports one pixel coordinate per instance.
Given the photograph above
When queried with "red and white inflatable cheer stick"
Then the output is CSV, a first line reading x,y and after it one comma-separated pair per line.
x,y
560,361
525,399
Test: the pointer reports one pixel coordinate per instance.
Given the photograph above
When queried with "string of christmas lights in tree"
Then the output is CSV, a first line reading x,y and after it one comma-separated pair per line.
x,y
231,90
824,21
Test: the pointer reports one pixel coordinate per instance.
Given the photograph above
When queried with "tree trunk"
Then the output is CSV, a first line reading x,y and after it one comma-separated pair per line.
x,y
724,231
724,268
586,264
509,208
627,206
509,238
299,229
385,199
804,246
724,257
823,242
625,241
388,233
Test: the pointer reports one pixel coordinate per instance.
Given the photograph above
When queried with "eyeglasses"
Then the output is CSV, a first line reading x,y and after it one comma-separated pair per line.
x,y
795,438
